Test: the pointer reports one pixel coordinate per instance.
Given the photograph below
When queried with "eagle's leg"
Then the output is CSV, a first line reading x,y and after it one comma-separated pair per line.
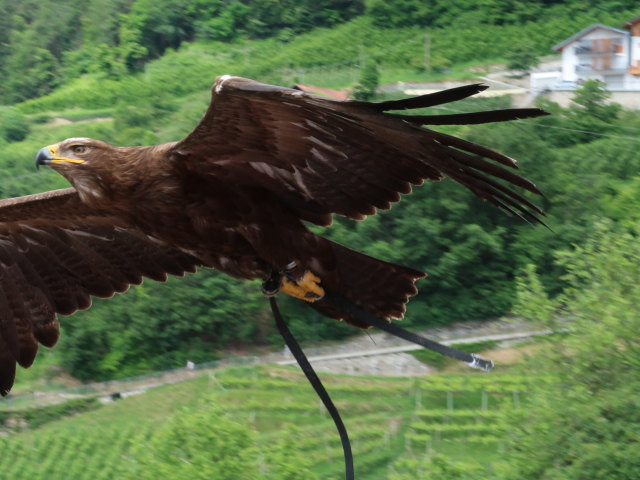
x,y
271,285
294,281
306,288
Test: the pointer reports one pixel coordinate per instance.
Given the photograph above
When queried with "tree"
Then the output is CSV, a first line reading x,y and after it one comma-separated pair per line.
x,y
13,125
205,443
532,301
592,104
38,73
584,423
226,25
401,13
157,25
523,57
284,459
157,326
366,88
41,32
198,444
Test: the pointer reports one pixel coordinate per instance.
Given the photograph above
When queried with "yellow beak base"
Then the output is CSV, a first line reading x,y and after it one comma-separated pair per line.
x,y
53,150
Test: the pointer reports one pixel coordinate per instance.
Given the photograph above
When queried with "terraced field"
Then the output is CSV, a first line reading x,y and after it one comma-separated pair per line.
x,y
386,418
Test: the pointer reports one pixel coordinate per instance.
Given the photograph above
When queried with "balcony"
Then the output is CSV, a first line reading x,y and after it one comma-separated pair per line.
x,y
604,48
591,69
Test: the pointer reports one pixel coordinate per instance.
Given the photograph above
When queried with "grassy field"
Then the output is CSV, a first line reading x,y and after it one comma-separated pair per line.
x,y
460,415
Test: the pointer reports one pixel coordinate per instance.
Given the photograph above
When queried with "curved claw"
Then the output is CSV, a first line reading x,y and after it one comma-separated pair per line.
x,y
307,288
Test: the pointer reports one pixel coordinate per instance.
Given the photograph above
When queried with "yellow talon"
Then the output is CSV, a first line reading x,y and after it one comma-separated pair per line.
x,y
307,288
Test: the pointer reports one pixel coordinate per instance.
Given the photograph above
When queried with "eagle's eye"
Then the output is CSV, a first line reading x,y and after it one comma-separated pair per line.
x,y
79,149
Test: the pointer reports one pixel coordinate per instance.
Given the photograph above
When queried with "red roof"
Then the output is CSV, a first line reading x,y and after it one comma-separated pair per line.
x,y
631,22
325,92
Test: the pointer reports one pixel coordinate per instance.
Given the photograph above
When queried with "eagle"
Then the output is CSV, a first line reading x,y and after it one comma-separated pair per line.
x,y
237,195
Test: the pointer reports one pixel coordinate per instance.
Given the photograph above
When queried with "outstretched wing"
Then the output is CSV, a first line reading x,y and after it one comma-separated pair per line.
x,y
323,156
54,253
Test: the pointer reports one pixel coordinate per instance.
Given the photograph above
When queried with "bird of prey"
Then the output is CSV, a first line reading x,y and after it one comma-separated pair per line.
x,y
235,195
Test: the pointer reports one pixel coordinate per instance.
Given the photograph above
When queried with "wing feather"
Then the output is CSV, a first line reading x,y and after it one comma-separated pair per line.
x,y
8,331
19,306
7,367
322,156
55,253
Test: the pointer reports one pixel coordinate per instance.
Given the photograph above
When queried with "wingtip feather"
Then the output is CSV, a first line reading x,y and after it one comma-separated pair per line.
x,y
431,99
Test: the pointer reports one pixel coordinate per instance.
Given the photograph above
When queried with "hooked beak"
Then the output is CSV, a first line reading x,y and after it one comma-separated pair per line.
x,y
48,155
43,157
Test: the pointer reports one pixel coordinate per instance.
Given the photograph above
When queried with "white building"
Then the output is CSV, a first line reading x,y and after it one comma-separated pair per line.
x,y
598,52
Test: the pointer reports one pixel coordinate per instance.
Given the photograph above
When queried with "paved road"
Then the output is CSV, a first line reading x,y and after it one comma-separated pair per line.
x,y
394,361
368,354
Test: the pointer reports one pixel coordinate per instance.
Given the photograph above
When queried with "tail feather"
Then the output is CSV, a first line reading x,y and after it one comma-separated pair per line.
x,y
376,286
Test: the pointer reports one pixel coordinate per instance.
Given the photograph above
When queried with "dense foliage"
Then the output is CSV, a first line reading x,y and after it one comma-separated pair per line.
x,y
46,43
204,443
199,444
442,13
582,422
595,359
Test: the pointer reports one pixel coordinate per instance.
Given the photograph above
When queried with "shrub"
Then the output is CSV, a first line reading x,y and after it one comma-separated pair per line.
x,y
13,125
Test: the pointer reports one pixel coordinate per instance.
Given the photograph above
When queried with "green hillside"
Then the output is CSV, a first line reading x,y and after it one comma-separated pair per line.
x,y
459,415
47,45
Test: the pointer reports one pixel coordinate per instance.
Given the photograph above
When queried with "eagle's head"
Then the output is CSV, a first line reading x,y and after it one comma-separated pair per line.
x,y
69,152
102,173
85,162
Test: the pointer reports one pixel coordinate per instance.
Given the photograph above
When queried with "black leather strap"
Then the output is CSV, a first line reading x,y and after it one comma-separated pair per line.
x,y
344,305
317,386
470,359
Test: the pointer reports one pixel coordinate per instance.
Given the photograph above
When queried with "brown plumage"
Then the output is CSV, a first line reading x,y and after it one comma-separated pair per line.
x,y
233,195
